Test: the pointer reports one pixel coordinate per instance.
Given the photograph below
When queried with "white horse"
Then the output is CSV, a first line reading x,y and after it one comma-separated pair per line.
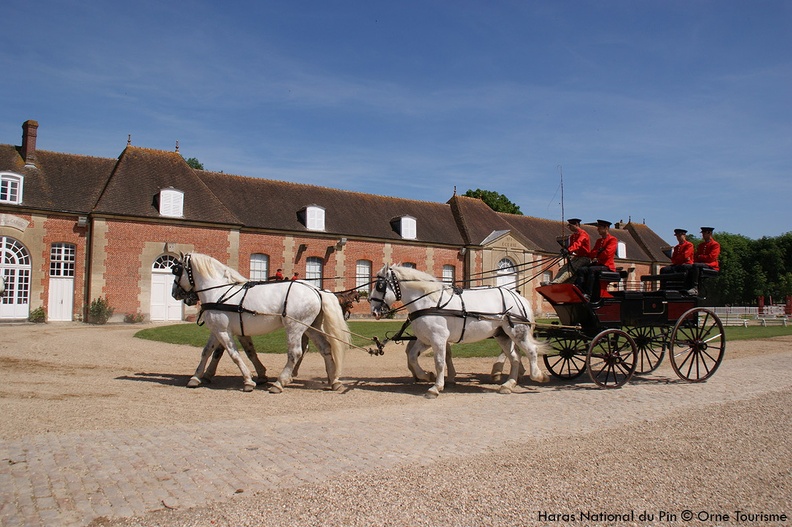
x,y
230,305
441,315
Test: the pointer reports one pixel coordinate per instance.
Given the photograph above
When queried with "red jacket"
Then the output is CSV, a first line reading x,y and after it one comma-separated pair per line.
x,y
707,253
604,251
683,253
579,243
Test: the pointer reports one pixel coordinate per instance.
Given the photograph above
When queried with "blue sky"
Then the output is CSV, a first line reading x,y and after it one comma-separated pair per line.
x,y
673,113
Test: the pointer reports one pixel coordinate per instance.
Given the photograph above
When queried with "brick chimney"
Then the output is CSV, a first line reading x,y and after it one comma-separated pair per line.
x,y
29,133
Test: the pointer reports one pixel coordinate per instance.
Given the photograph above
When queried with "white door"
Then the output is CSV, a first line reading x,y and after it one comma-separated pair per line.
x,y
15,266
61,282
507,274
61,299
163,306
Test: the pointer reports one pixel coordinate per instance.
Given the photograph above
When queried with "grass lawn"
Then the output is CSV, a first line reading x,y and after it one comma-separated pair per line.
x,y
364,330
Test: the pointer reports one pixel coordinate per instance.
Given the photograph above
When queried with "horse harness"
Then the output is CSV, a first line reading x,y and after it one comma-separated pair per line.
x,y
441,310
222,303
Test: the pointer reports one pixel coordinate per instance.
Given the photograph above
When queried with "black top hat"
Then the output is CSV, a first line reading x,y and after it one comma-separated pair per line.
x,y
707,229
603,223
680,231
574,221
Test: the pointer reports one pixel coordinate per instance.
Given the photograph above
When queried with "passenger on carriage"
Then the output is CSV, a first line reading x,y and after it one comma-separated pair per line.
x,y
682,257
577,251
706,257
603,259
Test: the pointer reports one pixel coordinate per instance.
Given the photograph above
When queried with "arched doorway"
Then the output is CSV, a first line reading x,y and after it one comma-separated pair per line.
x,y
507,274
163,306
15,267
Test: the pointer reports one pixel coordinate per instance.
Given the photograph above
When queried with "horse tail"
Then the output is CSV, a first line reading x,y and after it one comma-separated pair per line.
x,y
335,326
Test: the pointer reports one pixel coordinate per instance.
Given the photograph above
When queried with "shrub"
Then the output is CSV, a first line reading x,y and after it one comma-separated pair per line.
x,y
38,316
100,311
134,318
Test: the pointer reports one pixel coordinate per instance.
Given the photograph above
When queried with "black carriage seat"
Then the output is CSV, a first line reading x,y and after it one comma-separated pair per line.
x,y
677,282
604,278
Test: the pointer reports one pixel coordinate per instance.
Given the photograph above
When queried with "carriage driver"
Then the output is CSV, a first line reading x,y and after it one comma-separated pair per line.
x,y
602,256
577,252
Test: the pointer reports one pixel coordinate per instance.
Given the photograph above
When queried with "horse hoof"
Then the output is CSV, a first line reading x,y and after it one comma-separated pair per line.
x,y
497,378
276,388
337,386
505,390
249,387
194,382
432,393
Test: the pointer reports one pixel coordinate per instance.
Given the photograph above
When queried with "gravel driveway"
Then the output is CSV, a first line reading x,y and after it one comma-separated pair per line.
x,y
99,429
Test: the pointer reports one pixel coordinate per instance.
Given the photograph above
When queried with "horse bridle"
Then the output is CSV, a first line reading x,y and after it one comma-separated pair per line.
x,y
381,286
178,269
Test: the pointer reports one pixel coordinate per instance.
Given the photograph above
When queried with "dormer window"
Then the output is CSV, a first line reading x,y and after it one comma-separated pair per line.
x,y
621,250
11,188
171,203
406,226
313,217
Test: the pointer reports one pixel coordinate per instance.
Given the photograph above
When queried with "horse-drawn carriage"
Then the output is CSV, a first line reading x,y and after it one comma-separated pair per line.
x,y
616,334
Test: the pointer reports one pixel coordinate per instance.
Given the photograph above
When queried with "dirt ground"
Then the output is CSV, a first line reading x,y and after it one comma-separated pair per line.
x,y
62,377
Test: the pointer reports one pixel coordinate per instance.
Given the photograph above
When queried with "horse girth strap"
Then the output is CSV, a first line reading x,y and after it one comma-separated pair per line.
x,y
231,308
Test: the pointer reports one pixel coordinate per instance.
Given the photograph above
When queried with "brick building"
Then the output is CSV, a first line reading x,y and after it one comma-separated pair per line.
x,y
74,228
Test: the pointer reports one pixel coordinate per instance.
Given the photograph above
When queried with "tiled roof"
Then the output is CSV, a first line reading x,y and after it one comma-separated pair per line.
x,y
59,182
141,173
270,204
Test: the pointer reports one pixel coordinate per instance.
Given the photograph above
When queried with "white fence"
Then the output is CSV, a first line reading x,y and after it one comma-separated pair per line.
x,y
753,312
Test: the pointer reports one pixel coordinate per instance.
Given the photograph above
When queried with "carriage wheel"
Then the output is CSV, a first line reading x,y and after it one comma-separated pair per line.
x,y
612,358
651,342
567,358
698,343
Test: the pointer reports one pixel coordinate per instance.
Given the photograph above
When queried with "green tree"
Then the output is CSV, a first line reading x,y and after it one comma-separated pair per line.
x,y
194,163
496,201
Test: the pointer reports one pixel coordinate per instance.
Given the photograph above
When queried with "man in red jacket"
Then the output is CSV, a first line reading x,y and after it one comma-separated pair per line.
x,y
576,251
603,258
706,257
708,251
682,257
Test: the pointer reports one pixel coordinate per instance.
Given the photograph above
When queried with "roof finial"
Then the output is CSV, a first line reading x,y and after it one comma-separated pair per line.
x,y
454,190
177,145
129,139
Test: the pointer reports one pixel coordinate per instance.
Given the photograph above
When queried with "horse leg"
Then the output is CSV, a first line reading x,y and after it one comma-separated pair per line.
x,y
305,342
450,370
250,351
195,380
522,336
294,354
324,349
510,352
227,340
496,374
413,351
211,369
439,345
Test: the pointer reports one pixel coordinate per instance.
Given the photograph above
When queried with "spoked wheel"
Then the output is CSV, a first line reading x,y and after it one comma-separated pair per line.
x,y
612,358
651,342
698,343
567,360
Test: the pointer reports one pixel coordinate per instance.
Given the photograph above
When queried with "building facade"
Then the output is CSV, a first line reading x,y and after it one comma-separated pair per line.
x,y
76,228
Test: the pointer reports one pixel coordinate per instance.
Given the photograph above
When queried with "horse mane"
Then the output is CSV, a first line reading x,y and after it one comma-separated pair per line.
x,y
423,281
213,268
